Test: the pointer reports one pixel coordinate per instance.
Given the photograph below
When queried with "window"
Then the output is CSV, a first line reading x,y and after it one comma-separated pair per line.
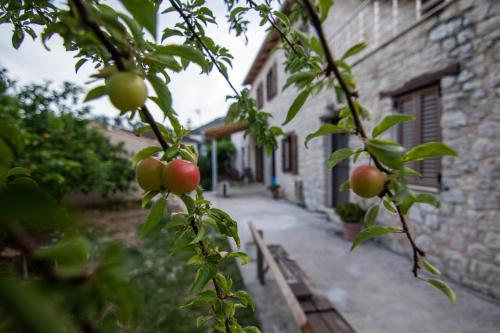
x,y
289,154
260,96
424,104
272,82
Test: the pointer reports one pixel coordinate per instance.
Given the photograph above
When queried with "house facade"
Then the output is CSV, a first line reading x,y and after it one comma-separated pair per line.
x,y
438,60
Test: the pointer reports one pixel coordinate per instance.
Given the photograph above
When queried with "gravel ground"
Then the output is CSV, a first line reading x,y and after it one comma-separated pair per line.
x,y
372,287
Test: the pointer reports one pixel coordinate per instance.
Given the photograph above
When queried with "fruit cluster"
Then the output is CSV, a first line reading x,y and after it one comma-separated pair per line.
x,y
177,176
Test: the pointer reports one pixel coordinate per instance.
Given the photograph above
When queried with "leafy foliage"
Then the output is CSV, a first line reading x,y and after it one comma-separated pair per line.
x,y
62,150
350,212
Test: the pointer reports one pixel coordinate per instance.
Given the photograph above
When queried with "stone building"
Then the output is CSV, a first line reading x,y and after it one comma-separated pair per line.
x,y
438,60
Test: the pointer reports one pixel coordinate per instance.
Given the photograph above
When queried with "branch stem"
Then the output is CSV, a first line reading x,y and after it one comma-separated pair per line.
x,y
360,131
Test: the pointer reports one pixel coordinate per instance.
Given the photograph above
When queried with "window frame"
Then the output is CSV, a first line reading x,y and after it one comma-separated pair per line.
x,y
260,95
289,154
272,82
416,96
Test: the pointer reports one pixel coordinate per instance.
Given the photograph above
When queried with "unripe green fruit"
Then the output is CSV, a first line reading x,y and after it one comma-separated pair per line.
x,y
181,176
367,181
127,91
149,173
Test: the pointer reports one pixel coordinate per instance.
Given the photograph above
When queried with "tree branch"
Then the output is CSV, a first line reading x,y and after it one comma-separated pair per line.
x,y
202,43
116,55
333,68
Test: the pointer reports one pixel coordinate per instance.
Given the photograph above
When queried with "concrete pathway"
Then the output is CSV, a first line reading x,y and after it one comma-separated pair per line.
x,y
372,287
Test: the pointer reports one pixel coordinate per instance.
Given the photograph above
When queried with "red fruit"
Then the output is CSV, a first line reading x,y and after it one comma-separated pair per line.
x,y
149,173
367,181
181,176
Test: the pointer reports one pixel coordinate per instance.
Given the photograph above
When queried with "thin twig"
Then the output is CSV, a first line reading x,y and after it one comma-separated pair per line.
x,y
273,23
203,45
333,68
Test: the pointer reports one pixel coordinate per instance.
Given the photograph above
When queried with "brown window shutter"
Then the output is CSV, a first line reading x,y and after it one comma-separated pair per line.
x,y
425,106
294,154
283,154
430,130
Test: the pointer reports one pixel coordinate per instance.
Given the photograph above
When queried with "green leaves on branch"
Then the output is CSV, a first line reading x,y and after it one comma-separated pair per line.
x,y
371,215
430,149
371,232
155,215
324,8
204,274
144,12
163,93
297,105
186,52
445,289
388,152
430,268
338,157
390,121
324,130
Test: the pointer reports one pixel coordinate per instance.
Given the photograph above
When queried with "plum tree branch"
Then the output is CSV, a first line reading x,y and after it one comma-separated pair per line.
x,y
116,55
192,29
333,68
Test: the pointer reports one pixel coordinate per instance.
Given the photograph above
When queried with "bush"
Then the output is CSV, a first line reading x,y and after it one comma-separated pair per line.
x,y
62,152
350,212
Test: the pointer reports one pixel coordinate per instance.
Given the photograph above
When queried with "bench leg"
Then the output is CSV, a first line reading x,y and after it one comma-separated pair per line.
x,y
260,263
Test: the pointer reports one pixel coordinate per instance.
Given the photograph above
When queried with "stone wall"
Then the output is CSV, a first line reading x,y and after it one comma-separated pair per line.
x,y
463,236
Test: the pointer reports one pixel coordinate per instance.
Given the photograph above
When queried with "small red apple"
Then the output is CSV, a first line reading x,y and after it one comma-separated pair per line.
x,y
149,173
367,181
181,176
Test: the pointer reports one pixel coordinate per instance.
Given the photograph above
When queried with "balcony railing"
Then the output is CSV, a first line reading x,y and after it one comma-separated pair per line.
x,y
376,22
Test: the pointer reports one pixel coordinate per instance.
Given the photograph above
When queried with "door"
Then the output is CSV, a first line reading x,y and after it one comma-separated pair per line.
x,y
259,164
340,172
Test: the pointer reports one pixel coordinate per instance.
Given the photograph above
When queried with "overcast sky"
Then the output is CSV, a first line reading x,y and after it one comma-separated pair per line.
x,y
190,90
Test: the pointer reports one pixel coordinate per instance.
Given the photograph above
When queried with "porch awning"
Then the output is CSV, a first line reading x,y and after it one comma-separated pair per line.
x,y
221,131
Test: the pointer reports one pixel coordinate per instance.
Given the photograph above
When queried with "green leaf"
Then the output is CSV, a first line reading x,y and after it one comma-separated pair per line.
x,y
95,93
371,232
345,186
203,275
390,121
388,152
245,298
17,37
199,236
324,130
428,199
75,250
430,149
147,197
354,50
338,156
444,288
163,93
6,154
389,207
186,52
251,329
80,64
201,320
371,215
135,29
430,268
300,79
144,12
144,153
324,8
189,203
296,105
244,259
156,213
18,171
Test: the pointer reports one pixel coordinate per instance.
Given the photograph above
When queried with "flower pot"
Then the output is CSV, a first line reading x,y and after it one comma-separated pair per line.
x,y
351,230
275,194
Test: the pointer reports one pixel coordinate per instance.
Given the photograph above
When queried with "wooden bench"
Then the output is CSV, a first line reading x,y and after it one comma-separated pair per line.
x,y
313,313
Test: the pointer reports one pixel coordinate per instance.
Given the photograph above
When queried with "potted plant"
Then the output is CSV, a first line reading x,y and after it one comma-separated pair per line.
x,y
275,190
351,215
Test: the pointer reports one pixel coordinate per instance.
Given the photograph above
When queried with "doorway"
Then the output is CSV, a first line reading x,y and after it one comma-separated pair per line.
x,y
340,172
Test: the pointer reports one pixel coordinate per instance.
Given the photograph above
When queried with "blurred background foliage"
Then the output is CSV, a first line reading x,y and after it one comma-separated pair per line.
x,y
63,151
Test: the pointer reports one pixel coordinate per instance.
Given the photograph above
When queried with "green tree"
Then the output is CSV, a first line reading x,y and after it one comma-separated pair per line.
x,y
63,151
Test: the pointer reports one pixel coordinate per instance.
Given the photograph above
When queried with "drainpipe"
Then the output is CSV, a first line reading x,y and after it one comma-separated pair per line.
x,y
214,165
